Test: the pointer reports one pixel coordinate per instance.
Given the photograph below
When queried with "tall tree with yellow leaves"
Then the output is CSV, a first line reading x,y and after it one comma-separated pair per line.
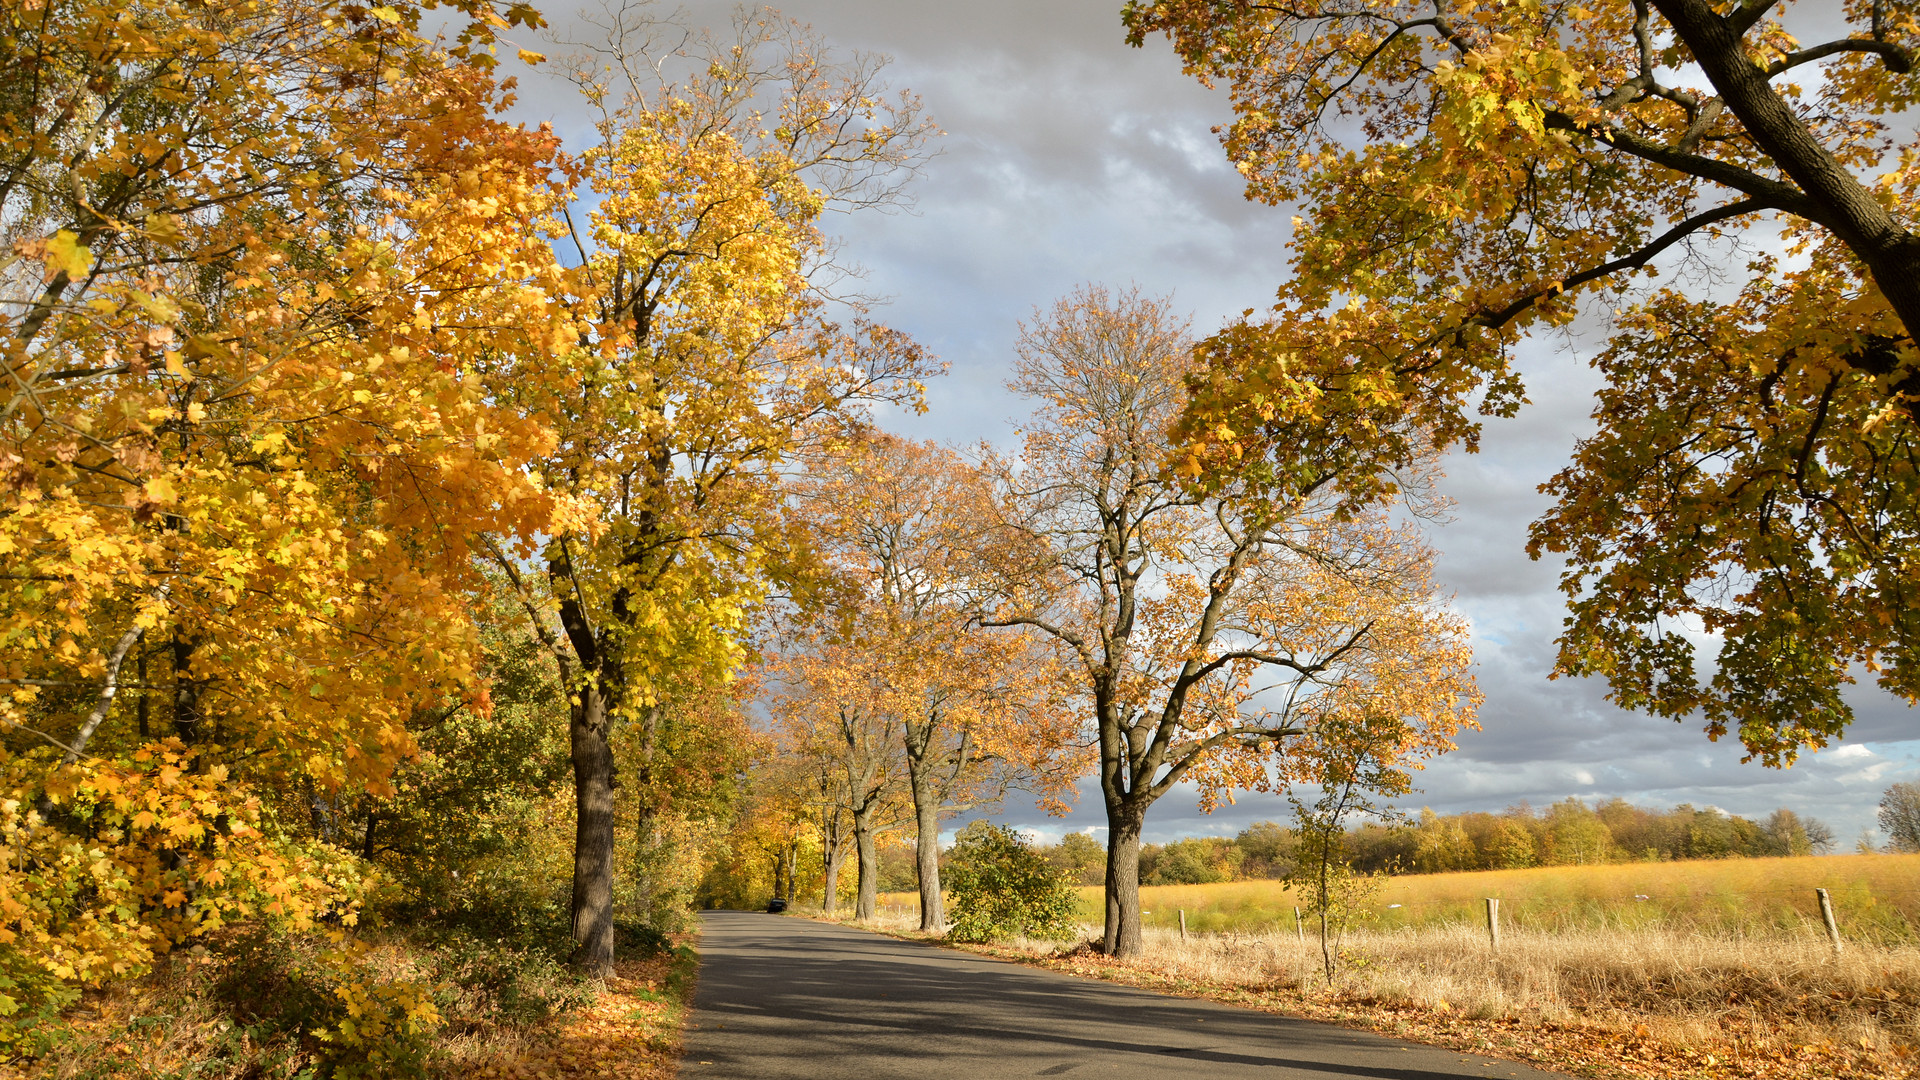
x,y
1227,636
707,366
260,261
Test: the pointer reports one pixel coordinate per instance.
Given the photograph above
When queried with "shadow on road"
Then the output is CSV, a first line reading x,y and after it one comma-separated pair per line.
x,y
789,998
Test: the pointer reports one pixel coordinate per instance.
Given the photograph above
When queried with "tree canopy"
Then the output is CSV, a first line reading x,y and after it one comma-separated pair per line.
x,y
1468,174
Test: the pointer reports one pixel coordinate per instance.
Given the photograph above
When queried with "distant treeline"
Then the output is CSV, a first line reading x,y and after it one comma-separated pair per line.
x,y
1565,834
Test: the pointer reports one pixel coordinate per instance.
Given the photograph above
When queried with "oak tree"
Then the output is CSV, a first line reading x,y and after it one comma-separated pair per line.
x,y
838,717
906,525
704,365
1471,173
1207,631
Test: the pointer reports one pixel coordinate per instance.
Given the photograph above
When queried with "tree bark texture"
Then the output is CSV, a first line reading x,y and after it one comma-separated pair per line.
x,y
928,795
1122,934
926,812
869,865
186,692
593,784
835,856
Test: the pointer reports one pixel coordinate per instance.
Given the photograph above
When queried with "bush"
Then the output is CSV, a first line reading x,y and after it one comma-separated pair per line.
x,y
1002,887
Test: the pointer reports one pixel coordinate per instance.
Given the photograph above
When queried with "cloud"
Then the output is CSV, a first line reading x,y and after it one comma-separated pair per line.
x,y
1071,157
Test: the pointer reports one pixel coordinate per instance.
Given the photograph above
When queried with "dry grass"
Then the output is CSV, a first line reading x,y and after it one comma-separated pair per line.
x,y
1725,972
1877,897
1599,1004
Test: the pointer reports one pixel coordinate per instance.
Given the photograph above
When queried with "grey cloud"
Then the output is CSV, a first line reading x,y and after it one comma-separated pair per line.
x,y
1071,157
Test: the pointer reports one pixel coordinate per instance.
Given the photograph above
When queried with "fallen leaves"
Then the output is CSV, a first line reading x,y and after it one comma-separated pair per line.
x,y
631,1031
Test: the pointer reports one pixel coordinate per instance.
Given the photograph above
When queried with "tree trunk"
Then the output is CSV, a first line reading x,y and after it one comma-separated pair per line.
x,y
835,854
186,693
928,852
928,821
869,865
146,732
1122,935
593,832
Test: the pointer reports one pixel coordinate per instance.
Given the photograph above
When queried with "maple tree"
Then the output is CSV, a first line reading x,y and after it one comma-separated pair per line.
x,y
907,525
255,254
706,365
1210,635
1469,173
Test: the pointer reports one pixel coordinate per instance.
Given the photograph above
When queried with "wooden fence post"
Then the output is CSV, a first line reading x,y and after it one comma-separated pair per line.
x,y
1826,916
1183,924
1493,922
1299,925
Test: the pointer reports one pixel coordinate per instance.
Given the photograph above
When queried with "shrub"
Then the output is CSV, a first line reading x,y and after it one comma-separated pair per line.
x,y
1002,887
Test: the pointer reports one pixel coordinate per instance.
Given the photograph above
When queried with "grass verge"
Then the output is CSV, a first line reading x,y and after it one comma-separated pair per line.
x,y
1607,1005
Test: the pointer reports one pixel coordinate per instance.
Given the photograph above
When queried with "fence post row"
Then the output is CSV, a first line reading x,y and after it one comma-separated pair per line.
x,y
1493,923
1826,915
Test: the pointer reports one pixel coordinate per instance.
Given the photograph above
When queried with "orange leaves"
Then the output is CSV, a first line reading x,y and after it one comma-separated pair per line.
x,y
175,853
1475,173
251,436
631,1031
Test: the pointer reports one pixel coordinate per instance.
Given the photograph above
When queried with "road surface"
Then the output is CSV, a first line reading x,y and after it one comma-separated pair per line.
x,y
785,998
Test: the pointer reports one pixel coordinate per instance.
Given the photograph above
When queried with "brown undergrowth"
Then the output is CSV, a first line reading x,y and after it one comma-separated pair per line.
x,y
630,1031
1610,1005
259,1008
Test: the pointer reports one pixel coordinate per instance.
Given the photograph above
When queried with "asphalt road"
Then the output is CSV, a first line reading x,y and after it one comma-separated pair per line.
x,y
791,999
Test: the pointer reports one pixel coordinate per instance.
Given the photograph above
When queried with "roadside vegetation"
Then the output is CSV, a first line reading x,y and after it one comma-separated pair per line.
x,y
1725,969
422,1003
1876,899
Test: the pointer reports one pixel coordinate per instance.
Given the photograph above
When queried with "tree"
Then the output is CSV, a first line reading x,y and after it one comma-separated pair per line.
x,y
1441,844
1002,887
1752,472
1204,628
259,259
705,366
1351,775
1820,836
1079,857
904,523
1900,816
834,706
1268,849
1576,836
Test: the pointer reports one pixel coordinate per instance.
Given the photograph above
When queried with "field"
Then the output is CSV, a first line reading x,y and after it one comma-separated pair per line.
x,y
1876,899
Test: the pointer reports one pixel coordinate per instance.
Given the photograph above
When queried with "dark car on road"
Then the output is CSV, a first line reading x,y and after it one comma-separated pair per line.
x,y
776,905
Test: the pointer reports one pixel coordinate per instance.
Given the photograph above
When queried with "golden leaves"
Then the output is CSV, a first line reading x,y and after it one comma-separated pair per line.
x,y
64,254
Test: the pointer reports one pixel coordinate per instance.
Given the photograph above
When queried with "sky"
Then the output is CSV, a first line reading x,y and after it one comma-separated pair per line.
x,y
1070,157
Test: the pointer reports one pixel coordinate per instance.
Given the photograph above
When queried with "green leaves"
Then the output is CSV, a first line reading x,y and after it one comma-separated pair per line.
x,y
1002,887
